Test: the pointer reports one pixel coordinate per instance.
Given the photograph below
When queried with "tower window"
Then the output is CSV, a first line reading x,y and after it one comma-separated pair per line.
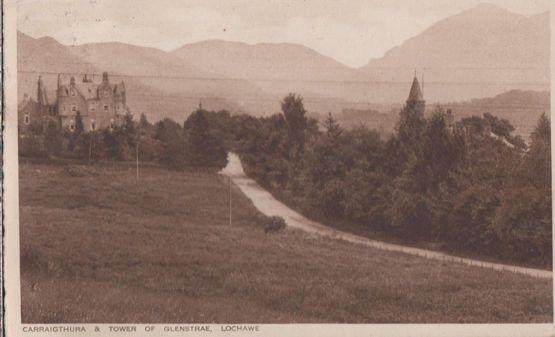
x,y
92,107
105,107
27,119
72,125
72,92
74,108
93,125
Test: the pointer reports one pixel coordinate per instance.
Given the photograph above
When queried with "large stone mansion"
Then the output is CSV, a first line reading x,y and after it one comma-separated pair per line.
x,y
101,105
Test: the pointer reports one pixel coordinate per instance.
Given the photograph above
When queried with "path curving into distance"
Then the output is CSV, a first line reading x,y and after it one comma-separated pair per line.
x,y
270,206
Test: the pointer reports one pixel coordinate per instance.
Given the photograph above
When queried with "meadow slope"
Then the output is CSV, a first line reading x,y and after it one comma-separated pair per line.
x,y
98,248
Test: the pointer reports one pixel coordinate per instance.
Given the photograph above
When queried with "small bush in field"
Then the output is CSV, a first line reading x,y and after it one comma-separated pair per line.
x,y
274,224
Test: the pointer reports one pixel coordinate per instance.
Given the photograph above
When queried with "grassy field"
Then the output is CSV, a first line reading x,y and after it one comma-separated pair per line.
x,y
97,248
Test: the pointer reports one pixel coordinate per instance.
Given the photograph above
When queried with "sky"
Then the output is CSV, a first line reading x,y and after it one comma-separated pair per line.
x,y
350,31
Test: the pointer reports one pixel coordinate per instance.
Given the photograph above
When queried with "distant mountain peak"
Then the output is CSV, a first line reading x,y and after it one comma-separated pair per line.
x,y
486,13
43,39
260,59
48,39
218,43
478,52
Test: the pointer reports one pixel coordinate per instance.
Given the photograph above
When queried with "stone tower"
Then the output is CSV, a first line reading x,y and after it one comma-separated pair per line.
x,y
416,98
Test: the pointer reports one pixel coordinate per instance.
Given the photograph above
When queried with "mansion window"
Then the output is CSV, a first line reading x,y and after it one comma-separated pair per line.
x,y
106,94
72,92
105,107
93,124
112,123
72,125
74,108
92,107
27,119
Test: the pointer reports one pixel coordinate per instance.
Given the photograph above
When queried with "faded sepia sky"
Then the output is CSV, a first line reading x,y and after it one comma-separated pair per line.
x,y
351,31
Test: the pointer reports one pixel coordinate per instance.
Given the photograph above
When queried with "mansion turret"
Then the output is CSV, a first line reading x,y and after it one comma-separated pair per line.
x,y
101,104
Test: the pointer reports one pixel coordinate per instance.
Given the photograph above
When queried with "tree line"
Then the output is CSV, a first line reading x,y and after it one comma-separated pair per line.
x,y
471,186
195,144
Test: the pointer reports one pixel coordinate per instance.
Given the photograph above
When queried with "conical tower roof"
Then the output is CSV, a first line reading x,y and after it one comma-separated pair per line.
x,y
415,94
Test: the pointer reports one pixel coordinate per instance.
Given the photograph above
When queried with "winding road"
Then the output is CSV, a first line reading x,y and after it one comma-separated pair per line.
x,y
270,206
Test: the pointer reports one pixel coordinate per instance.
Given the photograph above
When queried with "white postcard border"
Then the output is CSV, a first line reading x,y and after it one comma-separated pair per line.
x,y
12,320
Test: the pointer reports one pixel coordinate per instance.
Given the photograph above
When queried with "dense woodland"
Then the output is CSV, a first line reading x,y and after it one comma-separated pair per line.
x,y
472,187
194,144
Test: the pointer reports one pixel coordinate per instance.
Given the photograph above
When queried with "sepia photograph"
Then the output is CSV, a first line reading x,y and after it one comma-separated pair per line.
x,y
190,163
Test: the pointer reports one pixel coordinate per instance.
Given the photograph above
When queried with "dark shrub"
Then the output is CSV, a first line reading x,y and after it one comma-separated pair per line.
x,y
274,224
523,224
410,215
90,146
173,150
31,146
53,140
328,199
363,197
150,149
205,144
469,222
